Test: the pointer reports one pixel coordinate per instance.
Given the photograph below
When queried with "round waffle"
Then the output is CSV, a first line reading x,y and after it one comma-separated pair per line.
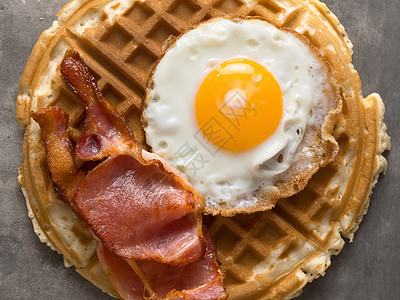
x,y
267,255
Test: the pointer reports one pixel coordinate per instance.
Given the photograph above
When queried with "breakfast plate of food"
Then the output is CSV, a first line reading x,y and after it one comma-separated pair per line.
x,y
197,149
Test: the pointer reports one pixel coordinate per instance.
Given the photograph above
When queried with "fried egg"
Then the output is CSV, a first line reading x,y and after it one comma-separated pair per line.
x,y
229,104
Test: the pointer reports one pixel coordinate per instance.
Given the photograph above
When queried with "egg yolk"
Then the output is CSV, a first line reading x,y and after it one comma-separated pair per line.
x,y
239,105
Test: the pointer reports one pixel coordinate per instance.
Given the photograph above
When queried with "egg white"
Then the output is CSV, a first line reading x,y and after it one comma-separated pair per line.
x,y
172,131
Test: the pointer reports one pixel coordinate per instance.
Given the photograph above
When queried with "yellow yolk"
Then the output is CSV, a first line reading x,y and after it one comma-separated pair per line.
x,y
239,105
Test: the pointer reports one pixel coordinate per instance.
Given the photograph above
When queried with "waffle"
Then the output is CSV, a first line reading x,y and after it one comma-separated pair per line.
x,y
268,255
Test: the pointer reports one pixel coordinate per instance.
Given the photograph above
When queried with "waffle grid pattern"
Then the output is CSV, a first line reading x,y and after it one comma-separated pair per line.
x,y
127,50
122,56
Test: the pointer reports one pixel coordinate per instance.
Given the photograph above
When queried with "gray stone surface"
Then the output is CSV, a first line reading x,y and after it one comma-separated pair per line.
x,y
366,269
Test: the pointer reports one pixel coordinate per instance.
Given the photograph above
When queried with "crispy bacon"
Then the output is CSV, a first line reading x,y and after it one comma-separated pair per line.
x,y
146,216
63,170
137,211
140,208
105,132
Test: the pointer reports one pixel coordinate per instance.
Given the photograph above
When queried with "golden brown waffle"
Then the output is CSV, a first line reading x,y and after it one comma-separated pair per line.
x,y
268,255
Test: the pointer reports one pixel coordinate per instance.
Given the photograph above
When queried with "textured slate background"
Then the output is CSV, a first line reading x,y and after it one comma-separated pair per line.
x,y
366,269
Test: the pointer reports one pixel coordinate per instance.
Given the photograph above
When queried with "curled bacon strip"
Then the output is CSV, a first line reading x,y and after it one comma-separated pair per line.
x,y
105,131
63,170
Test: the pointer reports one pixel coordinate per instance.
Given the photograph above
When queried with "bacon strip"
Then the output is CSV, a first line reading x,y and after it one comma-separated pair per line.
x,y
59,152
134,201
198,281
139,212
105,131
158,215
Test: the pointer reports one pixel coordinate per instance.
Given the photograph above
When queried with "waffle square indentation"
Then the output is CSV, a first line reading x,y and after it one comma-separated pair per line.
x,y
271,6
271,234
294,18
112,95
184,9
206,17
289,250
139,13
250,258
143,59
245,220
226,239
229,6
232,279
304,200
161,32
325,175
117,37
